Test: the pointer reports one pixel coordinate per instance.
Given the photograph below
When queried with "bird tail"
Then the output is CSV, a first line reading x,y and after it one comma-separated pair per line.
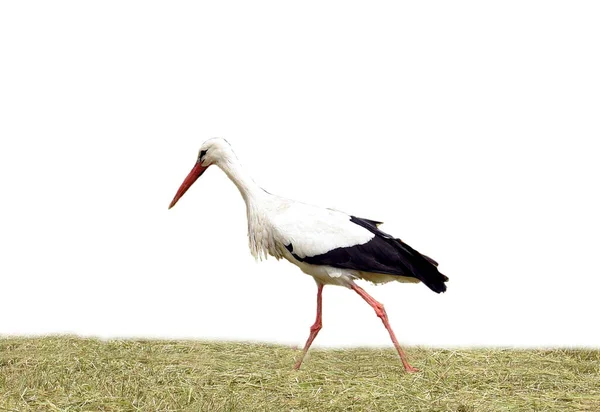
x,y
422,267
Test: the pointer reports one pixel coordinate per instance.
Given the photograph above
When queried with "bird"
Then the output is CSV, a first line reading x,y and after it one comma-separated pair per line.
x,y
333,247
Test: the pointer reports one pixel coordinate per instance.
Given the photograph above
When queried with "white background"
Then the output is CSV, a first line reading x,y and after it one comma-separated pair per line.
x,y
470,128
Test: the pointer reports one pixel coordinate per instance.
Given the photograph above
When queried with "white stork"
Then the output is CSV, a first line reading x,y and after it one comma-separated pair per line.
x,y
331,246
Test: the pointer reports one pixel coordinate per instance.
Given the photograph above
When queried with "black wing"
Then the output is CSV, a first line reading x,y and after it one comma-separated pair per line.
x,y
382,254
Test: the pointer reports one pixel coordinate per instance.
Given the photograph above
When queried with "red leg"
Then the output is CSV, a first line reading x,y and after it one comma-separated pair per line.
x,y
314,329
380,311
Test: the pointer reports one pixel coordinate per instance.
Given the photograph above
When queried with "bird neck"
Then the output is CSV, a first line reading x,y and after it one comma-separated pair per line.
x,y
249,190
260,239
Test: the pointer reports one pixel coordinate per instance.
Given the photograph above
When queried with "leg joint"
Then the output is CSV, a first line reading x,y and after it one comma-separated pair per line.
x,y
316,327
380,310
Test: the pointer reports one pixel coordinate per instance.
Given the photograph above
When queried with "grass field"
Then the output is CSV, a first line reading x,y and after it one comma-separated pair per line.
x,y
74,374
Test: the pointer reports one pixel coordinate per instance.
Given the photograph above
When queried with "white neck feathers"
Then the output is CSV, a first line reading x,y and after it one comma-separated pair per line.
x,y
260,233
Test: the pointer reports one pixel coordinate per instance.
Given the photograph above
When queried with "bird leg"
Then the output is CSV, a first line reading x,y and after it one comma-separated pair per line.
x,y
314,329
380,311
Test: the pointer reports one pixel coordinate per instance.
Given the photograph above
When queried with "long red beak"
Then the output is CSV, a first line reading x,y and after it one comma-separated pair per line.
x,y
188,182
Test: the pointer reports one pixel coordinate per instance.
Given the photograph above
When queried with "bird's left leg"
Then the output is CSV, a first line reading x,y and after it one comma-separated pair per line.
x,y
314,329
380,311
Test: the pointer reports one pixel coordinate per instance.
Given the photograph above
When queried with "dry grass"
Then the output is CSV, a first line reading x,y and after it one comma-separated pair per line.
x,y
73,374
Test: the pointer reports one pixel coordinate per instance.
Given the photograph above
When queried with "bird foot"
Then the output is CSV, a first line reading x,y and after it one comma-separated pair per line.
x,y
410,369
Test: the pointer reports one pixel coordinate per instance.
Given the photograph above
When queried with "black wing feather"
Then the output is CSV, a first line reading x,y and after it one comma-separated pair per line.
x,y
369,221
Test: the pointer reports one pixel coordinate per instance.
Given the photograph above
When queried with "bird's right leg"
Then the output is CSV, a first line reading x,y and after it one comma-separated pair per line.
x,y
380,311
314,329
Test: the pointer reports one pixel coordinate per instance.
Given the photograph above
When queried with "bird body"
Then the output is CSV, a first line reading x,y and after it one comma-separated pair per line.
x,y
331,246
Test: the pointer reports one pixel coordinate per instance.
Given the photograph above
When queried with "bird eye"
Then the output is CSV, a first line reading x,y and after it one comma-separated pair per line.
x,y
201,155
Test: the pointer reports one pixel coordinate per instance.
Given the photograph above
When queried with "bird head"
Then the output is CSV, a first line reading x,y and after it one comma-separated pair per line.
x,y
214,151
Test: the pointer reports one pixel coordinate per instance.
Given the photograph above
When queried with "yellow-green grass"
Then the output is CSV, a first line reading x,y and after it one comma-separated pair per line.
x,y
73,374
